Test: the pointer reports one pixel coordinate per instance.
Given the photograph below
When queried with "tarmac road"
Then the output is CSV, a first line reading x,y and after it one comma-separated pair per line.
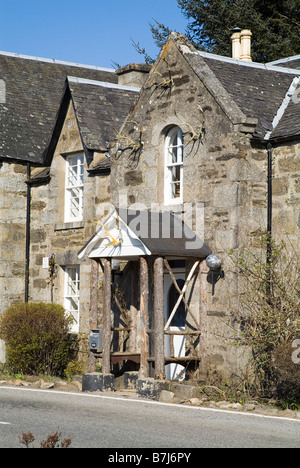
x,y
109,421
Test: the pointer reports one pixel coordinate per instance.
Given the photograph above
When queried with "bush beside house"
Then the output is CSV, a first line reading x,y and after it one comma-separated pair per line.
x,y
37,338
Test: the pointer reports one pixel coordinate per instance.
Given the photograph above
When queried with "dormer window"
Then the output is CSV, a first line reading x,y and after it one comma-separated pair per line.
x,y
174,167
74,188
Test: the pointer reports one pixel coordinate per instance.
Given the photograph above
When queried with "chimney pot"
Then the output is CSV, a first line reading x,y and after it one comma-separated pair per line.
x,y
246,35
236,43
241,44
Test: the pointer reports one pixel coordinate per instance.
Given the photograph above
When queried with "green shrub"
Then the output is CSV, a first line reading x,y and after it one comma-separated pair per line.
x,y
287,374
269,312
74,368
37,338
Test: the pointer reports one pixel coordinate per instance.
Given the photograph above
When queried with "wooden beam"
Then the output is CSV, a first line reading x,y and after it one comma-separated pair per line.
x,y
183,333
134,307
167,265
144,314
94,298
107,324
94,294
159,336
203,317
182,294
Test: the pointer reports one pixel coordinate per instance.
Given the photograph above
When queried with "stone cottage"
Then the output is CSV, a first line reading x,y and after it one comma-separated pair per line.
x,y
33,92
146,175
212,143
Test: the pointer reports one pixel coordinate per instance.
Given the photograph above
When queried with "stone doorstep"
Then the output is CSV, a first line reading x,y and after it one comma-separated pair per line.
x,y
127,382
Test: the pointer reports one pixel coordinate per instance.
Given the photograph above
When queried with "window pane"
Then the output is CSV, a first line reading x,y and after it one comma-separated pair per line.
x,y
174,165
74,187
72,295
75,207
72,176
175,181
176,190
179,319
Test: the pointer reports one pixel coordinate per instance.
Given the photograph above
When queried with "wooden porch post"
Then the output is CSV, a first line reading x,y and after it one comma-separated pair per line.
x,y
106,317
159,348
203,316
144,313
94,296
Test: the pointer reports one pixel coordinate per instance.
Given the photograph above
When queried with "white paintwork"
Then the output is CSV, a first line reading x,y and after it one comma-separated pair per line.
x,y
173,371
115,239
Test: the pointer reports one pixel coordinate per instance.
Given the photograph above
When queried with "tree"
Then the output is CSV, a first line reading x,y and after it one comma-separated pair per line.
x,y
269,312
275,26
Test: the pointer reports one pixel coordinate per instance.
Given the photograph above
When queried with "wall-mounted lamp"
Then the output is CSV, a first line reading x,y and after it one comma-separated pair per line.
x,y
116,269
214,263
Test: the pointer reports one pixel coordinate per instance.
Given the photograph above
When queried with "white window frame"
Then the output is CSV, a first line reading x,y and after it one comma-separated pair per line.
x,y
72,295
74,183
170,165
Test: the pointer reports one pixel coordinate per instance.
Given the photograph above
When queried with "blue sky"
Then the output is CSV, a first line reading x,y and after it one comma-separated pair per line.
x,y
94,32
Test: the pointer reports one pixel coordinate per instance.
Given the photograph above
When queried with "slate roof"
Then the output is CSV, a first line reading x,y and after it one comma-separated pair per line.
x,y
258,92
100,107
162,233
289,62
253,93
31,90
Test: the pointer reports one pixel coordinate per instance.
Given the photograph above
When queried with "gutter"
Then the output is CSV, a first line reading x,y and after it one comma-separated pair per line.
x,y
270,218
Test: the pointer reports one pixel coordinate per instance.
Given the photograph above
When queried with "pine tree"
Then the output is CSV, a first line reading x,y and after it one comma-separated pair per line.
x,y
275,26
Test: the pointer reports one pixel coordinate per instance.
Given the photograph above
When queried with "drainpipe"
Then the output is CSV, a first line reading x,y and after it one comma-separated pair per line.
x,y
270,216
27,247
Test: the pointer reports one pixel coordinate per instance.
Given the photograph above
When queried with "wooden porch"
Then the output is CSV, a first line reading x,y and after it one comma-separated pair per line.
x,y
148,287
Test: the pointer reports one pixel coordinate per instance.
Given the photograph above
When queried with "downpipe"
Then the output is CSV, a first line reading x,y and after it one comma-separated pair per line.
x,y
270,218
27,245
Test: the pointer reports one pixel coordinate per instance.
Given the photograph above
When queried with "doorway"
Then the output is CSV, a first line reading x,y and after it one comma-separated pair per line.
x,y
174,343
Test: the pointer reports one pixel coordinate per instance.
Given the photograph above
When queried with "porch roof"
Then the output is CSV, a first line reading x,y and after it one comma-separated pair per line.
x,y
134,233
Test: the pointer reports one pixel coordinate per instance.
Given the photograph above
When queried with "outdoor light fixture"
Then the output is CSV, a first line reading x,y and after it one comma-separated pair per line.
x,y
115,269
214,263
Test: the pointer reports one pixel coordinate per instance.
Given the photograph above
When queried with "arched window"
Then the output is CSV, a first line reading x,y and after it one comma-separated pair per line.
x,y
174,167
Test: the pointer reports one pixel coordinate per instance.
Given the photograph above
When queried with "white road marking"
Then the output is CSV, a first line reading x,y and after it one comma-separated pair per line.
x,y
153,402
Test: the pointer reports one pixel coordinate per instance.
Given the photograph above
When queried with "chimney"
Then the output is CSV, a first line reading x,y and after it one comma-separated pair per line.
x,y
241,44
246,35
236,43
134,74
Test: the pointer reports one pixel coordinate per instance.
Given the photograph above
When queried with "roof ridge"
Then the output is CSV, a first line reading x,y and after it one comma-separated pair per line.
x,y
104,84
55,61
285,60
243,63
213,84
283,107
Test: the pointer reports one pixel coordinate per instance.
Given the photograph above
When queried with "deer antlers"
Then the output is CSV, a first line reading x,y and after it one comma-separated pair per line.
x,y
134,146
195,136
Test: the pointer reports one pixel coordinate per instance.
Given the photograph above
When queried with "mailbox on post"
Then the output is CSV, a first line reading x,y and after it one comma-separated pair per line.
x,y
96,339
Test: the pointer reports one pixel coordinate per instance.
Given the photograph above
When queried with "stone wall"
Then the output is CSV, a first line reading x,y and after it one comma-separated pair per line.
x,y
51,235
224,202
13,192
286,192
225,173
